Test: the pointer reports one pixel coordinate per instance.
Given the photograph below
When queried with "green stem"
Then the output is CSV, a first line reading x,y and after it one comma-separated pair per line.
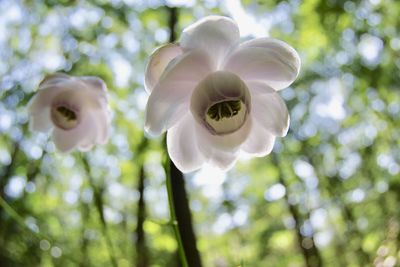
x,y
21,222
97,193
172,212
13,214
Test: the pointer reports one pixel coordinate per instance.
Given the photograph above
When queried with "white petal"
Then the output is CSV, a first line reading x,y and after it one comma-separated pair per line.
x,y
64,140
92,89
94,83
102,119
42,100
228,142
54,79
284,50
222,151
269,109
67,140
260,142
159,60
169,100
182,145
222,160
41,122
214,34
81,97
269,60
104,123
192,66
98,131
39,110
219,151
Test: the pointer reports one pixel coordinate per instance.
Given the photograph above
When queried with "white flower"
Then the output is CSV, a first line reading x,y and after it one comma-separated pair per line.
x,y
74,108
216,97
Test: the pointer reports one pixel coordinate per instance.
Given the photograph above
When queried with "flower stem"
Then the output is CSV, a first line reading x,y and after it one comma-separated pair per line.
x,y
173,221
35,233
98,201
14,215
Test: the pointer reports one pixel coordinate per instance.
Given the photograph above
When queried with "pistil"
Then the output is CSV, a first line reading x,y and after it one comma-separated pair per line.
x,y
64,117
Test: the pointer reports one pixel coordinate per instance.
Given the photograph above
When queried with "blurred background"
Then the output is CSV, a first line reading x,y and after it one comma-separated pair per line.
x,y
328,195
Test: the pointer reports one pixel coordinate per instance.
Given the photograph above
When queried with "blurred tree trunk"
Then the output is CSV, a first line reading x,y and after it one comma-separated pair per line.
x,y
311,254
181,202
335,189
98,191
84,242
141,249
184,218
172,22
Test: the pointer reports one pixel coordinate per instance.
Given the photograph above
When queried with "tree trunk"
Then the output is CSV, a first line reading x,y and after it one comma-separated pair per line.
x,y
141,249
184,218
310,252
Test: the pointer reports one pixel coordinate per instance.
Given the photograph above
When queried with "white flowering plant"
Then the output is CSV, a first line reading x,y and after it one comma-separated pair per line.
x,y
217,97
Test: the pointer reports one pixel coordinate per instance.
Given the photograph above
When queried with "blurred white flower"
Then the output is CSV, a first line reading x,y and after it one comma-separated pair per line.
x,y
216,97
74,108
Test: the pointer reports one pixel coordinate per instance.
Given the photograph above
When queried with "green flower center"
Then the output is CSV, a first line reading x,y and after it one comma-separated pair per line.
x,y
226,109
64,117
67,113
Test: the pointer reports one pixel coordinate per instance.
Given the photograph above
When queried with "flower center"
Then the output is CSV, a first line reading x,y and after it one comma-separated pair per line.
x,y
225,109
221,103
64,117
226,116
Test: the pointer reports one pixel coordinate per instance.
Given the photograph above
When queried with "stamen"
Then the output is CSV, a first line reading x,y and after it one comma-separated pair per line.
x,y
64,117
68,114
226,109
